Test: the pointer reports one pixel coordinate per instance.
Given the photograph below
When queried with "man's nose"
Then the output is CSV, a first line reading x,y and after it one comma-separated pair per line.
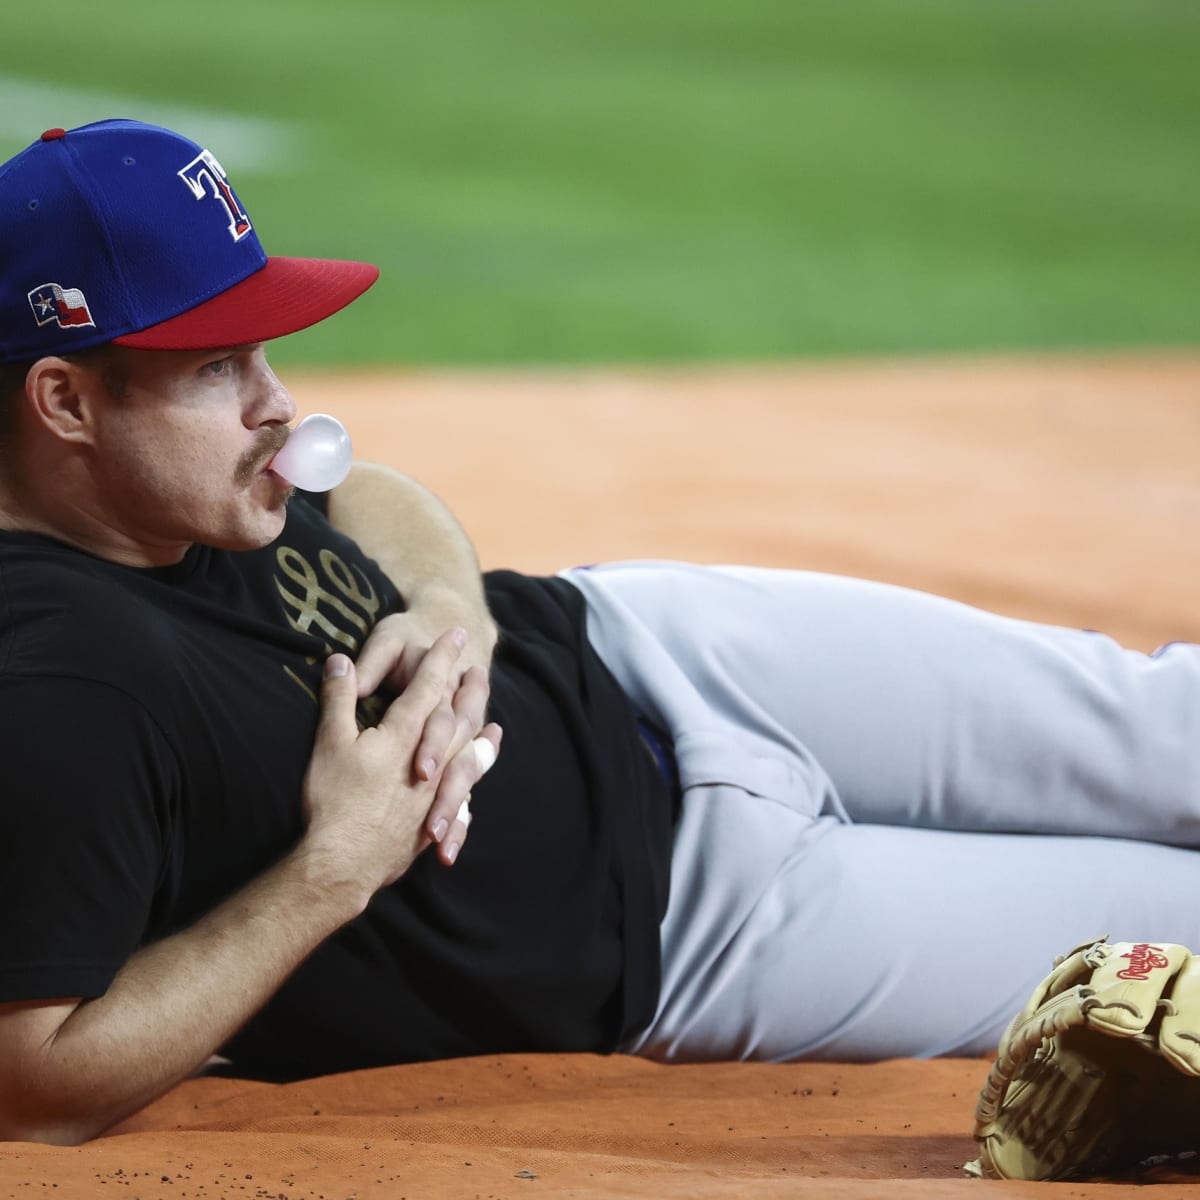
x,y
273,402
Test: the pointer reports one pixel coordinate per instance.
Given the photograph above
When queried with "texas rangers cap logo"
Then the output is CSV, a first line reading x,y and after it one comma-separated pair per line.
x,y
65,306
205,176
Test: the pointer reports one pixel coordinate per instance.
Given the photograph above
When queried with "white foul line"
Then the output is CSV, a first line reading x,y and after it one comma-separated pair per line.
x,y
249,145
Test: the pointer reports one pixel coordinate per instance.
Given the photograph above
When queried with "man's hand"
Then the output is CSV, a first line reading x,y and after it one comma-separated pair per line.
x,y
426,553
371,812
450,743
396,645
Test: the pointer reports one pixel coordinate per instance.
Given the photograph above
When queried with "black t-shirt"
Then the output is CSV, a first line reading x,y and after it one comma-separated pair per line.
x,y
155,726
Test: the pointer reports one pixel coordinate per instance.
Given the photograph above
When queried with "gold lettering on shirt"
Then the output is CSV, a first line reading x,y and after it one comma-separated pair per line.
x,y
345,614
297,680
333,602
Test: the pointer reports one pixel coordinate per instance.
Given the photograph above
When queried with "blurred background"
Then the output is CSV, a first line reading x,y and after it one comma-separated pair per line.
x,y
610,181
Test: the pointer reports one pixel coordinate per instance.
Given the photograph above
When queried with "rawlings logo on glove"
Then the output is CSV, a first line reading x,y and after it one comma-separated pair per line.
x,y
1098,1072
1142,960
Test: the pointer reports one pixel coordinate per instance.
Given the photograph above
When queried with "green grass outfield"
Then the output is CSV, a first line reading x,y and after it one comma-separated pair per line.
x,y
599,180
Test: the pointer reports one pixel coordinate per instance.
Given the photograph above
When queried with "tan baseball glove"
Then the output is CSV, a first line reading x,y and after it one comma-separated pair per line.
x,y
1097,1074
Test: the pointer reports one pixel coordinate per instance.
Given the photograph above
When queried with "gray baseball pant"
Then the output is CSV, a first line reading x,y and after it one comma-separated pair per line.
x,y
897,809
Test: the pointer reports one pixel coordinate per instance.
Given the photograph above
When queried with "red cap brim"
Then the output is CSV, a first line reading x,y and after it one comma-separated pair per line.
x,y
286,295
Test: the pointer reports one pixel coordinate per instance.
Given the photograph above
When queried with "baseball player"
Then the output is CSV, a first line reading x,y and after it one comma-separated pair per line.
x,y
727,812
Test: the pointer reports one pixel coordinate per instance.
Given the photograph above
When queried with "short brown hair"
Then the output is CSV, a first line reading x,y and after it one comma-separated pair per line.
x,y
12,388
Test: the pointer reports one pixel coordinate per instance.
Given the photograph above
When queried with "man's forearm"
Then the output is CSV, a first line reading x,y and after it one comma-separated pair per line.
x,y
420,545
174,1004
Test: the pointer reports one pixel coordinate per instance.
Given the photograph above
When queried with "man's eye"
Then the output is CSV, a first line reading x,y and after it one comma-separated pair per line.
x,y
219,367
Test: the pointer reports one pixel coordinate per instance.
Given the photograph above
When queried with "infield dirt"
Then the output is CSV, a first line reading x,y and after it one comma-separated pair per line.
x,y
1062,489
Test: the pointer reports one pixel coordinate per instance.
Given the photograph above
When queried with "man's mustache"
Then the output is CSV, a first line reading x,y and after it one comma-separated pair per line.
x,y
268,444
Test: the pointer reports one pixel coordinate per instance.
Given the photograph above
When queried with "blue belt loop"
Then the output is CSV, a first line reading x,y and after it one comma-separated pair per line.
x,y
659,745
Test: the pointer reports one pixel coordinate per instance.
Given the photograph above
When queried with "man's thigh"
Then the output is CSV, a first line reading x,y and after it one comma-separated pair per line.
x,y
919,710
818,939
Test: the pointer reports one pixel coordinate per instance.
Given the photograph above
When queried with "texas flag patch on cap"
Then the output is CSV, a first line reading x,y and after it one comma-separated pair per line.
x,y
67,306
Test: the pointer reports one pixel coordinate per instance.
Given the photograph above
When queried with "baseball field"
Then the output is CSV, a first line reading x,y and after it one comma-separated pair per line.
x,y
904,289
688,180
773,281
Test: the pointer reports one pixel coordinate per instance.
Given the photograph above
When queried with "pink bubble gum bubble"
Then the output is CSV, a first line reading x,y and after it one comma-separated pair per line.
x,y
317,455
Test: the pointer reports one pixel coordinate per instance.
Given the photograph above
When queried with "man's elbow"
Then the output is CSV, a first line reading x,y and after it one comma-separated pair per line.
x,y
47,1135
23,1122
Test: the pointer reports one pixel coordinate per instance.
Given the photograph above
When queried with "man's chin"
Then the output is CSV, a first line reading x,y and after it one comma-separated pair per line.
x,y
281,494
266,525
274,493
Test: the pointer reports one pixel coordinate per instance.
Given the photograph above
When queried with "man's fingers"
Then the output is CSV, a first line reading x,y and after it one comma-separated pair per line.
x,y
466,710
456,835
462,773
471,698
380,653
485,754
435,740
426,689
339,696
450,816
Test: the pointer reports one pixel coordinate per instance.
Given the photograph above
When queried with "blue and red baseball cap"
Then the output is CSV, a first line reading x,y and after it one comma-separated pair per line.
x,y
129,233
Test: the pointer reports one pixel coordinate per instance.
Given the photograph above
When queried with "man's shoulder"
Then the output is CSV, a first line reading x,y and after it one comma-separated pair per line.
x,y
43,579
64,613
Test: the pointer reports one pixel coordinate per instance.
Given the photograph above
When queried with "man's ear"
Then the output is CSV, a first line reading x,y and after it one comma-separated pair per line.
x,y
64,396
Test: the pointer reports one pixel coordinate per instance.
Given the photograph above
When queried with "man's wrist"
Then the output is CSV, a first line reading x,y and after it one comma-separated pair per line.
x,y
326,881
441,606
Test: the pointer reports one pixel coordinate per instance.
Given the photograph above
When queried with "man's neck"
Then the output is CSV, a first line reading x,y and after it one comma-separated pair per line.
x,y
74,526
